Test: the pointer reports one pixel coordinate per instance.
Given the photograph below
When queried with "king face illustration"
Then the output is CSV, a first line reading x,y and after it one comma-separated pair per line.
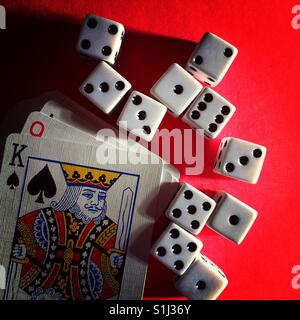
x,y
68,250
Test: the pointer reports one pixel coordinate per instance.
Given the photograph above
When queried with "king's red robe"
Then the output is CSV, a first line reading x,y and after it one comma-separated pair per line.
x,y
66,258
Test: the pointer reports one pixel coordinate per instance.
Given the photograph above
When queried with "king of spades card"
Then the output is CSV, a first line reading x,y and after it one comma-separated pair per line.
x,y
69,249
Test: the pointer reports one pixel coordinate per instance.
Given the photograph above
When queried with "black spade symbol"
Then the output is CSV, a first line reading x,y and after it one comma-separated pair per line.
x,y
42,183
13,181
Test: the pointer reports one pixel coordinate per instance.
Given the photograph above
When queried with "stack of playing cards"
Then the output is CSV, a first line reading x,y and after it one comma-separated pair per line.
x,y
72,225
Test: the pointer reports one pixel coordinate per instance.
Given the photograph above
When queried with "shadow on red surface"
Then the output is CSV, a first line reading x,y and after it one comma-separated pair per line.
x,y
39,55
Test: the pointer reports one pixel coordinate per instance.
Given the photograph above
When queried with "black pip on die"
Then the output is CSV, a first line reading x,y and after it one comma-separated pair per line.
x,y
231,218
176,248
211,59
176,89
210,112
100,38
202,281
105,87
141,115
190,208
240,159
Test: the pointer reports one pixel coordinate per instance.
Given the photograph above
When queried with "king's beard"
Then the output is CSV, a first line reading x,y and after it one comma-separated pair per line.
x,y
79,214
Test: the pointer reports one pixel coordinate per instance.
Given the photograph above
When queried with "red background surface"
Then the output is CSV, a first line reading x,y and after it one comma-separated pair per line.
x,y
37,55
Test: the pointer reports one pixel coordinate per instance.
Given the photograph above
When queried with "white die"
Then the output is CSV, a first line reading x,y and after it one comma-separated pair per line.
x,y
176,248
100,38
240,159
176,89
190,208
210,112
105,87
211,59
231,218
202,281
141,115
